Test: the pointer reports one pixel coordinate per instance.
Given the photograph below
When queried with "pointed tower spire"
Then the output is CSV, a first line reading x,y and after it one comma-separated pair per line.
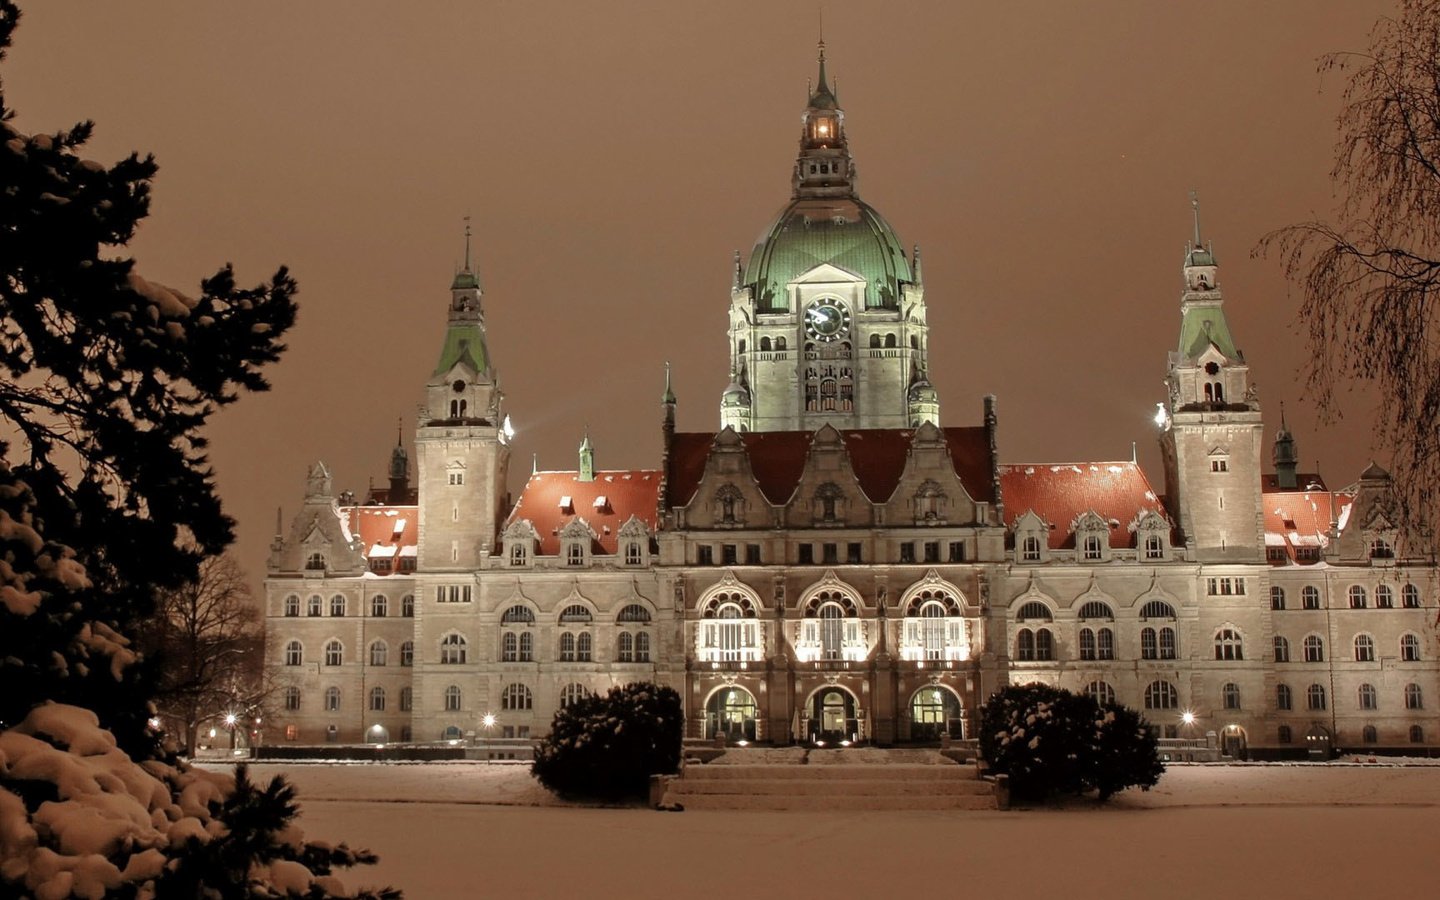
x,y
587,458
1284,456
915,266
824,168
669,396
1195,206
738,276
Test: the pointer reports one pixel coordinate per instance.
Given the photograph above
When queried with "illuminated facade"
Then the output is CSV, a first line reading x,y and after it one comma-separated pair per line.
x,y
833,564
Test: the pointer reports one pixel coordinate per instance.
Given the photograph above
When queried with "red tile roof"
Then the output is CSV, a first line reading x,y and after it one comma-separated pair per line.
x,y
625,493
387,532
1060,493
1304,481
877,457
1299,522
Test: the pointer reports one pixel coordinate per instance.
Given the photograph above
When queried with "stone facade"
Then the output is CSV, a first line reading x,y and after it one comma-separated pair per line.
x,y
834,565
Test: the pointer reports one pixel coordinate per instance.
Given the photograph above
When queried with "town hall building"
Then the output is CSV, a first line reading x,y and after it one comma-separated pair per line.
x,y
835,564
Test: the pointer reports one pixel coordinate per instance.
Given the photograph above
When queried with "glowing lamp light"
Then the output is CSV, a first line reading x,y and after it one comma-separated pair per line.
x,y
819,743
507,429
154,723
489,720
1160,415
844,743
1187,717
742,743
230,719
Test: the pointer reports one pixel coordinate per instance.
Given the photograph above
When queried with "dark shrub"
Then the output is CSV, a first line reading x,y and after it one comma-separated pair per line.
x,y
607,746
1051,741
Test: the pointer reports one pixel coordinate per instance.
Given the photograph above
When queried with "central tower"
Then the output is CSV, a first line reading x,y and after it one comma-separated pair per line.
x,y
827,319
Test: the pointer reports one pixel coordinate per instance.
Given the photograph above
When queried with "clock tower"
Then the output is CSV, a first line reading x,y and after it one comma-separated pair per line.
x,y
827,318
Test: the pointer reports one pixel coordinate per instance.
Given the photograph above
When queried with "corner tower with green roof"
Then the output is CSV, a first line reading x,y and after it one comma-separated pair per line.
x,y
827,317
1211,431
462,440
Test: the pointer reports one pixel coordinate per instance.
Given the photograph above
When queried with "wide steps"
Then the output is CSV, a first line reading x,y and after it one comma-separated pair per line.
x,y
830,786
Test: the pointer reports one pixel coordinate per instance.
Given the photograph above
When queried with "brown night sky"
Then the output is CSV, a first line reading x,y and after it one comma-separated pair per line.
x,y
614,155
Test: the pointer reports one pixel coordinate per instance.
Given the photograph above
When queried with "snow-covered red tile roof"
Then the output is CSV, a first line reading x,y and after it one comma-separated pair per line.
x,y
1302,519
605,504
385,531
877,456
1059,493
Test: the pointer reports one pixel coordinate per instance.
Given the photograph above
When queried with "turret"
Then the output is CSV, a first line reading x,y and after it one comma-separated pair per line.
x,y
1284,457
824,167
587,459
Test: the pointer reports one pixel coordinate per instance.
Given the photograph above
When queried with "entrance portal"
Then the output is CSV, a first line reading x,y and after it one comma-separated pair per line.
x,y
935,711
1233,743
731,713
832,716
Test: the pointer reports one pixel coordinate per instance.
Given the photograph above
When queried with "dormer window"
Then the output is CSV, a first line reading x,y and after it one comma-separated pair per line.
x,y
1092,548
519,554
315,562
1380,548
633,555
1030,549
575,554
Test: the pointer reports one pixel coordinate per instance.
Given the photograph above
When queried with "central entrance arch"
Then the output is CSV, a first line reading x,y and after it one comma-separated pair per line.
x,y
935,711
832,716
730,713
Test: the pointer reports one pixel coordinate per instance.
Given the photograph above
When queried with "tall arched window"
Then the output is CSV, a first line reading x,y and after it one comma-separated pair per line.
x,y
516,696
1228,644
292,605
1025,645
1149,644
1364,648
832,631
1161,695
527,647
453,649
379,653
625,647
377,699
1369,697
584,647
567,646
379,606
509,647
642,647
1284,699
334,653
1314,648
452,698
294,654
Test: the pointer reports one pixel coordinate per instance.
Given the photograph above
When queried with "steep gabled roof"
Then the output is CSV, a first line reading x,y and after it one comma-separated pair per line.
x,y
877,457
1302,519
385,532
625,493
1117,492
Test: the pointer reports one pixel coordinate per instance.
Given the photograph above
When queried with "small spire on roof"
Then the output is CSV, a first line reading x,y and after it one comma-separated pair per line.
x,y
534,462
1195,206
915,264
735,282
278,519
669,395
467,243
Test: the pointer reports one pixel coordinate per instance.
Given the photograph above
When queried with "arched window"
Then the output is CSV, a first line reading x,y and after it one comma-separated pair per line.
x,y
1092,547
379,606
332,699
1034,610
1228,644
1357,597
1413,698
1384,596
452,698
1157,609
1087,644
334,653
1314,648
1277,597
377,699
1025,645
1369,698
575,613
1315,697
1161,695
634,612
518,615
527,647
1044,644
379,653
1310,597
832,631
337,605
625,648
294,654
572,693
567,646
1364,648
875,341
1149,644
1284,699
780,343
764,347
1282,649
292,605
1231,695
314,606
407,699
642,647
584,647
407,653
1103,693
1030,551
890,341
1097,609
453,649
1104,644
1410,648
1168,649
407,606
509,647
1154,547
516,696
1368,735
292,699
1410,597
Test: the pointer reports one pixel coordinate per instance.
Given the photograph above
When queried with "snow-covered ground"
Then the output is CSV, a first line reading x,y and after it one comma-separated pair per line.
x,y
474,830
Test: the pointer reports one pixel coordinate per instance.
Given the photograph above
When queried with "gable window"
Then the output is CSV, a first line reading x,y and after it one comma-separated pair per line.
x,y
575,554
1381,549
1092,547
519,554
315,562
632,553
1154,547
1030,549
1219,463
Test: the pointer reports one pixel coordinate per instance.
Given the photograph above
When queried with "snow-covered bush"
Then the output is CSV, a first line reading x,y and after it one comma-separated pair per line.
x,y
607,746
1050,741
79,818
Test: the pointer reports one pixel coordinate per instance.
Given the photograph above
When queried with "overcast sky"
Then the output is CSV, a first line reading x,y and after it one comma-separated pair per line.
x,y
614,155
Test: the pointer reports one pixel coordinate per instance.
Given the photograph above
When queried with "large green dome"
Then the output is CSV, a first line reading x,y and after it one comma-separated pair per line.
x,y
841,231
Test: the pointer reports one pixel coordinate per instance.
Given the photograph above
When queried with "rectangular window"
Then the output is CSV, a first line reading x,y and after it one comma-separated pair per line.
x,y
1219,465
452,593
292,732
704,555
807,554
932,551
957,551
1225,587
728,555
752,554
907,552
830,553
852,553
507,731
522,731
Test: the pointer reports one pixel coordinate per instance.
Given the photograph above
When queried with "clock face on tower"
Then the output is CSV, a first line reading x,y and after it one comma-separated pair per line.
x,y
827,320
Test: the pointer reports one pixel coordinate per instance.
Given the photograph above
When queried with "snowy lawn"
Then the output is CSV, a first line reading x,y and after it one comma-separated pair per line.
x,y
473,830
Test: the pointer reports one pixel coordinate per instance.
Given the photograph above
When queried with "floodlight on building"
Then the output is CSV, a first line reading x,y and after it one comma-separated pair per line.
x,y
1161,416
1187,717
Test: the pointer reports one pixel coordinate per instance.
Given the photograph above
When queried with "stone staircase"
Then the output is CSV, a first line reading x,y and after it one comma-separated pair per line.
x,y
831,785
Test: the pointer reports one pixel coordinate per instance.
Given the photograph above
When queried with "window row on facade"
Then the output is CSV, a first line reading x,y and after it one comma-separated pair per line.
x,y
1313,648
1357,597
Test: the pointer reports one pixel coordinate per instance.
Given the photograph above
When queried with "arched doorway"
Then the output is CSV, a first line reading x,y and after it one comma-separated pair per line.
x,y
1318,742
1233,742
731,713
935,711
377,734
832,716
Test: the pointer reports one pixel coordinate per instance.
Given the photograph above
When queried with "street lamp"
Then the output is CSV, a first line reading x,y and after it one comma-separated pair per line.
x,y
230,721
489,723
